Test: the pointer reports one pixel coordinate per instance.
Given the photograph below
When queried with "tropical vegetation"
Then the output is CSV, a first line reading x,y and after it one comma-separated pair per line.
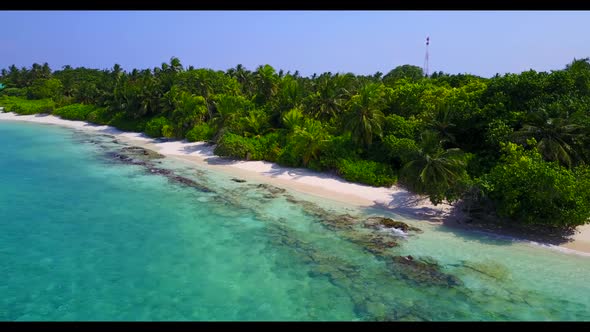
x,y
519,141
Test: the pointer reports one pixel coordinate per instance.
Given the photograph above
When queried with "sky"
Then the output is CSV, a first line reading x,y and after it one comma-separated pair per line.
x,y
362,42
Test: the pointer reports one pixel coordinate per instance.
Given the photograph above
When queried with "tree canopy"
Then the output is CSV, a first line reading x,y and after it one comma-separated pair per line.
x,y
520,139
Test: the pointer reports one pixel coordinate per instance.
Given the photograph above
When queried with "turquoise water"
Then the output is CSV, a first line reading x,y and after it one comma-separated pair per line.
x,y
85,237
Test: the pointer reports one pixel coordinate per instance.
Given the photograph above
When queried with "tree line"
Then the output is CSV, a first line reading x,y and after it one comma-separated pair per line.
x,y
517,144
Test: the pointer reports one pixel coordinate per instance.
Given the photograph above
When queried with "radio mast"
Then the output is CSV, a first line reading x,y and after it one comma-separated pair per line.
x,y
426,57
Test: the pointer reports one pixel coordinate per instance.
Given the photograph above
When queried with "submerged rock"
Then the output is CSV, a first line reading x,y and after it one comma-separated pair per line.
x,y
267,191
341,221
330,220
134,155
410,314
376,244
161,171
124,159
136,151
488,268
188,182
271,189
376,310
425,271
376,222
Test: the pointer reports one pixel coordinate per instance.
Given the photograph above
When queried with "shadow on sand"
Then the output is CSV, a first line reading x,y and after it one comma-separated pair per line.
x,y
490,230
296,173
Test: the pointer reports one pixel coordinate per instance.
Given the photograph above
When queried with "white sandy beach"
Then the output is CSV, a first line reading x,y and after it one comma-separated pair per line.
x,y
324,185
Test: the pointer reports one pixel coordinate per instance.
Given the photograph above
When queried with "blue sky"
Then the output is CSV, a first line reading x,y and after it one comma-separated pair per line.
x,y
363,42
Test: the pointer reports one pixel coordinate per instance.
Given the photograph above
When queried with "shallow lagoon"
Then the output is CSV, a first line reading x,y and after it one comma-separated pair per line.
x,y
84,236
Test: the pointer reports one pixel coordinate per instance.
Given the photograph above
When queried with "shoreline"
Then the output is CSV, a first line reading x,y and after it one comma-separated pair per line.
x,y
393,199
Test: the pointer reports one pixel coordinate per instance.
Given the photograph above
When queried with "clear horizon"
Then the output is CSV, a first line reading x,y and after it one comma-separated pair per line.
x,y
482,43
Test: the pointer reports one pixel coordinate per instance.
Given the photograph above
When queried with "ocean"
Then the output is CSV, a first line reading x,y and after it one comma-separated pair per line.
x,y
88,233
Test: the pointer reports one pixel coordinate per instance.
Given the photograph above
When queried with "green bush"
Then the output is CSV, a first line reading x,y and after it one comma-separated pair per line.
x,y
168,131
249,148
122,122
14,92
338,147
99,116
25,106
235,146
269,146
75,111
62,101
527,189
290,155
400,150
498,131
45,88
200,132
153,128
367,172
400,126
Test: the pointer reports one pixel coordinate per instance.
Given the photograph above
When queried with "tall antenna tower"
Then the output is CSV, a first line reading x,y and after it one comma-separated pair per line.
x,y
426,57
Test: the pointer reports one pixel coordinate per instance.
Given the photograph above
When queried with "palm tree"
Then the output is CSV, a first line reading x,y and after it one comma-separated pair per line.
x,y
290,93
266,82
175,65
292,119
240,73
579,70
443,122
117,69
325,103
364,119
434,171
554,136
190,110
228,109
255,123
244,77
150,94
117,72
86,92
310,138
15,76
45,71
169,99
35,73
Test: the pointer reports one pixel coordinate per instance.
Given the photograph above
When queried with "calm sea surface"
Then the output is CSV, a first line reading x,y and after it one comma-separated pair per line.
x,y
88,235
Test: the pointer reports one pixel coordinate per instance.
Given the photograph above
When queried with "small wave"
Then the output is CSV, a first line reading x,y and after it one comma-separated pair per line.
x,y
394,231
535,243
560,249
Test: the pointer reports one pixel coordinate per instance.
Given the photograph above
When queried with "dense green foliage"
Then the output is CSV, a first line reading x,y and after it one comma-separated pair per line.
x,y
527,189
75,111
434,170
25,107
367,171
200,132
519,139
155,127
236,146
